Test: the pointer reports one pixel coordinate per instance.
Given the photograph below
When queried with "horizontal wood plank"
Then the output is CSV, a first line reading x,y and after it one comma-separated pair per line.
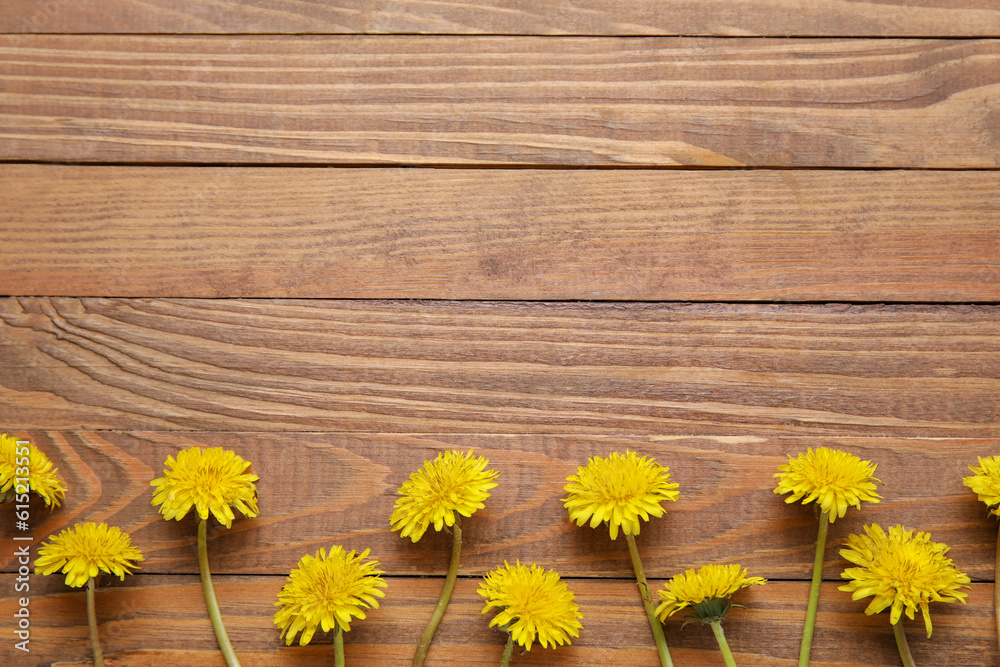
x,y
319,489
487,367
902,18
484,234
501,101
133,616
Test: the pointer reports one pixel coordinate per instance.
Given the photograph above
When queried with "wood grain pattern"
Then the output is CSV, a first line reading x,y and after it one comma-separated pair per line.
x,y
615,632
318,489
501,101
336,401
484,234
901,18
490,367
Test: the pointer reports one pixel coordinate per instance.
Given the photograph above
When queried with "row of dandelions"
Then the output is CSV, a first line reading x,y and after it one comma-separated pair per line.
x,y
326,591
900,569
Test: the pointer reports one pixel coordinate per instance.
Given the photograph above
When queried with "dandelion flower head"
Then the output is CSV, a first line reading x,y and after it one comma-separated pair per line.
x,y
38,470
326,591
209,480
619,489
533,605
986,481
706,591
835,478
85,550
452,482
901,569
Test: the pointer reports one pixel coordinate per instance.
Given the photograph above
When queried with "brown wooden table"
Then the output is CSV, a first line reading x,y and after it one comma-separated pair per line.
x,y
340,237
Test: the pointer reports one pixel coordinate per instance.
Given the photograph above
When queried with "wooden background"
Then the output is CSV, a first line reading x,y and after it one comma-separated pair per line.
x,y
340,237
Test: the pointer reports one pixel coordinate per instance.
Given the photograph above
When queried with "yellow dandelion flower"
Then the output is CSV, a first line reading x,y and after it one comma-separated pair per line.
x,y
619,489
837,479
706,591
986,482
532,603
902,570
86,549
210,480
327,590
452,482
25,461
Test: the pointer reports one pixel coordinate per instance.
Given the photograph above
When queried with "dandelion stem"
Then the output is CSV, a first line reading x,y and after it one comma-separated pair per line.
x,y
817,579
996,587
647,602
449,586
95,644
338,647
508,651
213,606
904,648
720,637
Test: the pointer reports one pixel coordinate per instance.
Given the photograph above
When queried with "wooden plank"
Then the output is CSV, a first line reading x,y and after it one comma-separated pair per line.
x,y
615,632
486,234
501,101
319,489
916,18
490,367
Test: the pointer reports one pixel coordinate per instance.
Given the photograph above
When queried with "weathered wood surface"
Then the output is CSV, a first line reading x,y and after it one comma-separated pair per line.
x,y
410,366
152,621
501,101
916,18
485,367
483,234
553,330
318,489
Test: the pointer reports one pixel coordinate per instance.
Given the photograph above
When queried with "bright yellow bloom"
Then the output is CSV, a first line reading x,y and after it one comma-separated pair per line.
x,y
986,481
619,489
837,479
87,549
35,466
532,603
326,590
452,482
210,480
901,570
706,591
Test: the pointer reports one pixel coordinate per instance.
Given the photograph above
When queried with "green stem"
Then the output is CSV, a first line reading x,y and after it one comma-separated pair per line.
x,y
904,648
213,606
95,644
817,579
508,651
996,587
720,637
446,590
647,602
338,647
